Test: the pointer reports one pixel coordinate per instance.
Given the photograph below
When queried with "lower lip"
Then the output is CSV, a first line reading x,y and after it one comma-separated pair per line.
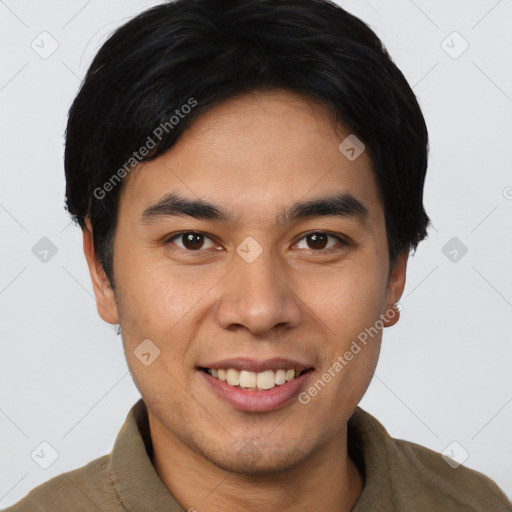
x,y
254,400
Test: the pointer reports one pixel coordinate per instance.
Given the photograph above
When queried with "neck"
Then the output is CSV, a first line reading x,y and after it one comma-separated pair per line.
x,y
327,480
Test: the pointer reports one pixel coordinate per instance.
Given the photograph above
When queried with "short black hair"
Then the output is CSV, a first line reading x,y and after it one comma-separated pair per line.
x,y
171,63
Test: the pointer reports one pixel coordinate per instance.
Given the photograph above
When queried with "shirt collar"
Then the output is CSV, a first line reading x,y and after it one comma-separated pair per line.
x,y
371,447
137,483
141,489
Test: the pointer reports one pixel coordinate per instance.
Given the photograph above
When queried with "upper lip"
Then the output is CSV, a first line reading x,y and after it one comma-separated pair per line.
x,y
252,365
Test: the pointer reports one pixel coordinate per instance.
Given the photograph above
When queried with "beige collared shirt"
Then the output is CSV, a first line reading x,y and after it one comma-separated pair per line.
x,y
399,476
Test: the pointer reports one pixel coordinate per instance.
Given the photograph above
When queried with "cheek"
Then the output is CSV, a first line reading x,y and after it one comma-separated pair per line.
x,y
156,297
155,305
348,302
347,306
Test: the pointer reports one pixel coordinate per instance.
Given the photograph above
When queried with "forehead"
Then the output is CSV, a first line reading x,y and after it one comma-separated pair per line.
x,y
253,154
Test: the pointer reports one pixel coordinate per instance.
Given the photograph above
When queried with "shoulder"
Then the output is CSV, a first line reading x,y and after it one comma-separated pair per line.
x,y
460,487
401,475
89,487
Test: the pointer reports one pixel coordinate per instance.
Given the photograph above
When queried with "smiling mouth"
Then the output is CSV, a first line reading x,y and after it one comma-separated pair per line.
x,y
260,381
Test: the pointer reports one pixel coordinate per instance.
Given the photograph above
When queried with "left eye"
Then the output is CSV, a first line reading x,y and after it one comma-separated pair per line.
x,y
318,240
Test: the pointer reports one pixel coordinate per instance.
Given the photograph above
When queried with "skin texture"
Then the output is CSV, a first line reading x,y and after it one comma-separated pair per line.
x,y
255,155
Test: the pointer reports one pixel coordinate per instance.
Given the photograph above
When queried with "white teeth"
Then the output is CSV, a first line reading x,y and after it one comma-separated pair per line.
x,y
233,377
266,380
247,379
280,377
252,380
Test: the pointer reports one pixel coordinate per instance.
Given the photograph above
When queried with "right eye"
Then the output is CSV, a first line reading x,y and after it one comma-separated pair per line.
x,y
192,241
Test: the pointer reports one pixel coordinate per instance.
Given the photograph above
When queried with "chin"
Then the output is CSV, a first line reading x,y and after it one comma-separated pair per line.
x,y
251,460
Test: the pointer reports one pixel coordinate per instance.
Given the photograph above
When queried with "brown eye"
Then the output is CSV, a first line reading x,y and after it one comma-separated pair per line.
x,y
191,241
319,240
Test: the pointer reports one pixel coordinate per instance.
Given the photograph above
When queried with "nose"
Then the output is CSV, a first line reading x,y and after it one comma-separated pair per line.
x,y
259,297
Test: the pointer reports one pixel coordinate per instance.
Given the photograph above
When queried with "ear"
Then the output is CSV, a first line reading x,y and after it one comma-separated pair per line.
x,y
395,288
105,297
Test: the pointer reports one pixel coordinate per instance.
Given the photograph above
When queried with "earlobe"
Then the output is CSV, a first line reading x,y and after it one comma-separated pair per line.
x,y
396,285
105,296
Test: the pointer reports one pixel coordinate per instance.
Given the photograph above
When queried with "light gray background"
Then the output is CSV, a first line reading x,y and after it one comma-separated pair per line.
x,y
444,374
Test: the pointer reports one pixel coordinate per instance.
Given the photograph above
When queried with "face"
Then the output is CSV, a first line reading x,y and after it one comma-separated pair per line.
x,y
246,282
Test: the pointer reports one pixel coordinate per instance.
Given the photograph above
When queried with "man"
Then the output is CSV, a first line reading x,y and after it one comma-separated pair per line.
x,y
249,177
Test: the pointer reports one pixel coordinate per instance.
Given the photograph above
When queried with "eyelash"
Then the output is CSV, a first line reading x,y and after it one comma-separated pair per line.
x,y
343,243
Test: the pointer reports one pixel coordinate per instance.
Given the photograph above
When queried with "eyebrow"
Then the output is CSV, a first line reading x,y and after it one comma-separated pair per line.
x,y
338,205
